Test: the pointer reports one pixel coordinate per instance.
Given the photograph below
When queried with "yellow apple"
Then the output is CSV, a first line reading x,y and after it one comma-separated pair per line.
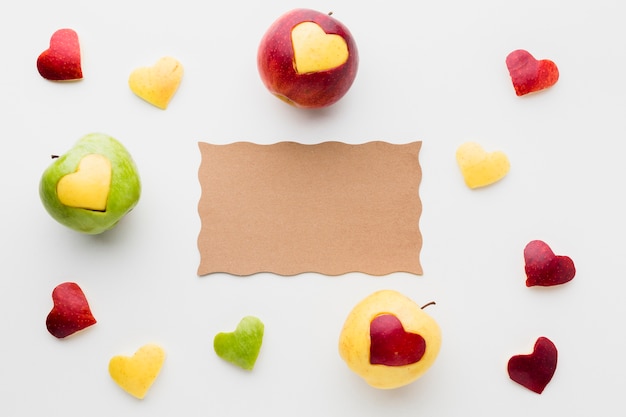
x,y
389,340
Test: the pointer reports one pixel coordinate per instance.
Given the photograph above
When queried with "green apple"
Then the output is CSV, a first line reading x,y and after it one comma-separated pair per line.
x,y
92,186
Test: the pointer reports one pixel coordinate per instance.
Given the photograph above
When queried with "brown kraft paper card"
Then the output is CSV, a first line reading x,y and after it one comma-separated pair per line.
x,y
290,208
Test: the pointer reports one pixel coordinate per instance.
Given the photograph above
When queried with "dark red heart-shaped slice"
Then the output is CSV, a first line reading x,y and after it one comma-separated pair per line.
x,y
544,268
70,312
391,345
61,62
534,371
528,74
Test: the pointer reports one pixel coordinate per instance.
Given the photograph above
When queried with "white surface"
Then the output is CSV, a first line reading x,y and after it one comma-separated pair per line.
x,y
430,71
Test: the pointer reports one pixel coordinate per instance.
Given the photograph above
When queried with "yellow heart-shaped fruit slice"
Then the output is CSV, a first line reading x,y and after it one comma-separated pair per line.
x,y
89,186
481,168
158,83
136,374
315,50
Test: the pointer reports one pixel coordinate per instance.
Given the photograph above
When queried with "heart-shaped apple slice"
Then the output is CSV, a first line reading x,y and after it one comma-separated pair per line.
x,y
70,312
480,168
544,268
242,346
61,61
157,84
529,74
315,50
535,370
137,373
391,345
89,186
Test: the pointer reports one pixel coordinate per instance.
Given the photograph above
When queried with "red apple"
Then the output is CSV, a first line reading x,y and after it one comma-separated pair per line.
x,y
308,59
70,313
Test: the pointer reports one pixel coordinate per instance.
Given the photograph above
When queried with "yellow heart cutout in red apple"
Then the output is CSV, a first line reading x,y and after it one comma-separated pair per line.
x,y
315,50
89,186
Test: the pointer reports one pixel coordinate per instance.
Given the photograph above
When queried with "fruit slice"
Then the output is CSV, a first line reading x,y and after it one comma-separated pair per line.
x,y
530,75
70,312
391,345
535,370
544,268
480,168
89,186
315,50
157,84
62,61
242,346
137,373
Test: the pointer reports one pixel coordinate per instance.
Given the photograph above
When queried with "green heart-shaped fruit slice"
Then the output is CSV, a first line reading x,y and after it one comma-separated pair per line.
x,y
242,346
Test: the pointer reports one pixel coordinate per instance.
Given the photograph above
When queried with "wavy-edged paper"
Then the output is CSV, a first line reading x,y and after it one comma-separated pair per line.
x,y
290,208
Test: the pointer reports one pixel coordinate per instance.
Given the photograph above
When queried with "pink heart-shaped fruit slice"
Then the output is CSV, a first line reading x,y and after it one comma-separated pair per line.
x,y
70,312
61,62
391,345
544,268
535,370
529,74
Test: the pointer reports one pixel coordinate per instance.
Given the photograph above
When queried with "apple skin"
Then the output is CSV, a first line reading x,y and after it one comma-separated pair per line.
x,y
275,61
535,370
62,61
355,339
124,192
71,312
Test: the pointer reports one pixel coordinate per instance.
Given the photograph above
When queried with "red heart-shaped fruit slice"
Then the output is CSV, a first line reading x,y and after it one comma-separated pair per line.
x,y
70,312
534,371
530,75
544,268
61,62
391,345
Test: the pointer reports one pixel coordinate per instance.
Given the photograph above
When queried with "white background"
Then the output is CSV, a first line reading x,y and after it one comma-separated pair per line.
x,y
430,71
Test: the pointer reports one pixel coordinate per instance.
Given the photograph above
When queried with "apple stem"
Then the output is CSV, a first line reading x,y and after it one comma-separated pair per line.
x,y
54,156
432,303
330,13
